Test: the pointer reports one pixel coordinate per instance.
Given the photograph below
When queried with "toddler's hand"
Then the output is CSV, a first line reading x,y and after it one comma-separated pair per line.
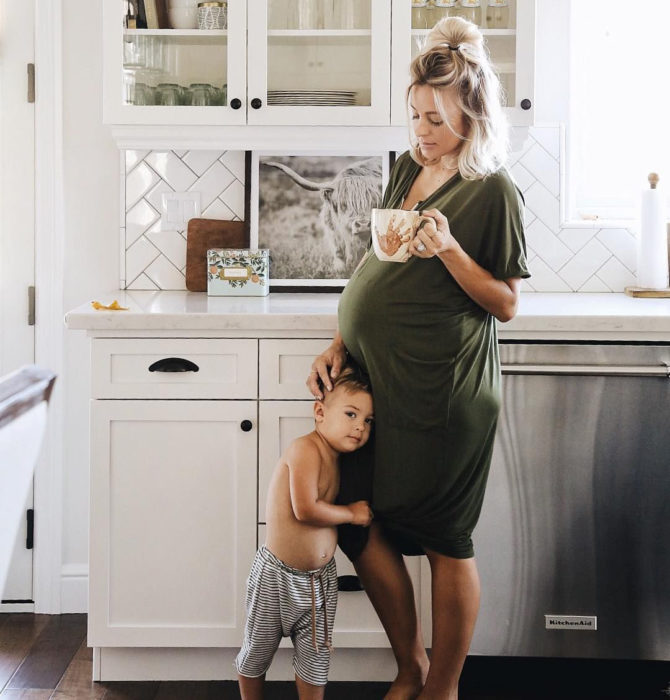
x,y
362,515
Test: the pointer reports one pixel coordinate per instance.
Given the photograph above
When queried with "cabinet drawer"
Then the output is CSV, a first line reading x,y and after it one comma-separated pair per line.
x,y
284,366
174,368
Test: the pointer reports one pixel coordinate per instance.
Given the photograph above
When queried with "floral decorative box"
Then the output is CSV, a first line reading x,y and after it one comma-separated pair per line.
x,y
238,272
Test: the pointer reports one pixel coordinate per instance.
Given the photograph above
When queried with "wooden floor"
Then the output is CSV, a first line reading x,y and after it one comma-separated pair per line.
x,y
45,656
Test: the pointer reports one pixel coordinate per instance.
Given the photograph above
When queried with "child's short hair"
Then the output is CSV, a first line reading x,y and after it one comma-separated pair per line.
x,y
351,378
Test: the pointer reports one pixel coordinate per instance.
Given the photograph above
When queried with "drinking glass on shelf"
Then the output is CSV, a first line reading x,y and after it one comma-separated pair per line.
x,y
201,94
348,13
308,14
497,14
134,50
129,86
168,94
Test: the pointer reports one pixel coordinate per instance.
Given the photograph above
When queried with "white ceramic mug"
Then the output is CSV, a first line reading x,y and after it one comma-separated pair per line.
x,y
392,231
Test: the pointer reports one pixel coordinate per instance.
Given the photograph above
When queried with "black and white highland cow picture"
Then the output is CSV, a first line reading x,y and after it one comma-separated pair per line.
x,y
314,213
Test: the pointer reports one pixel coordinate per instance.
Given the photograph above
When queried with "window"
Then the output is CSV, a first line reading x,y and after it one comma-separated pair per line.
x,y
619,127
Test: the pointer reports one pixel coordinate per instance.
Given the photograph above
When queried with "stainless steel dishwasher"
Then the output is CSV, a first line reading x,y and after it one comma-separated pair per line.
x,y
573,544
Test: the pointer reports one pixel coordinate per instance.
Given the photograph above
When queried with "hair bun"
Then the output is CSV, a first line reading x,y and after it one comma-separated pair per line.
x,y
453,33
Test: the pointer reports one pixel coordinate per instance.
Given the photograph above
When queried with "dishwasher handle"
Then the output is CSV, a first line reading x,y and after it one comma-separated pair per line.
x,y
588,370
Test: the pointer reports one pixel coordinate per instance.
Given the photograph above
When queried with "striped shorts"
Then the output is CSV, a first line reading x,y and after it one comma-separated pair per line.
x,y
286,602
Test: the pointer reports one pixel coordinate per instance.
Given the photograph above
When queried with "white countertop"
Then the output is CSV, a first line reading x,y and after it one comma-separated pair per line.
x,y
540,316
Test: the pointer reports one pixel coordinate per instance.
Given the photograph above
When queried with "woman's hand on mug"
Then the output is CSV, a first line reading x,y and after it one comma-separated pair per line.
x,y
433,236
326,367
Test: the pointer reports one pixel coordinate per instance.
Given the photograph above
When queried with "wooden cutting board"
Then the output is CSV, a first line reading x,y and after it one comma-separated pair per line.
x,y
203,234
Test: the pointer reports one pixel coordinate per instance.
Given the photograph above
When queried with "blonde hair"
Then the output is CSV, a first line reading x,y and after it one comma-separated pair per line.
x,y
454,56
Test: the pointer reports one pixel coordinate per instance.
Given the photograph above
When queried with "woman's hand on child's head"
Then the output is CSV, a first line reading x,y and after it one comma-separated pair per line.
x,y
325,368
361,513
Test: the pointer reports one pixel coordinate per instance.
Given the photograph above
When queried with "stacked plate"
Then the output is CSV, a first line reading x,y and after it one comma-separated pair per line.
x,y
314,98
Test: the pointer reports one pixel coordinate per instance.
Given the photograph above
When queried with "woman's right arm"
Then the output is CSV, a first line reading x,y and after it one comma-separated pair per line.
x,y
329,363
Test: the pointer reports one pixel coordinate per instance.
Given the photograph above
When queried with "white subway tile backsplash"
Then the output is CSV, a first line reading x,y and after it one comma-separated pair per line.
x,y
542,167
234,161
584,264
172,245
549,137
576,238
172,169
213,181
154,258
138,257
616,275
544,279
544,205
521,176
219,210
201,161
547,245
138,182
138,220
233,196
142,282
165,274
591,258
622,243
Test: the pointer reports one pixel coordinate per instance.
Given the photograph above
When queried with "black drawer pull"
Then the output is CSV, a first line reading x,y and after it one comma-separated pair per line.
x,y
246,425
349,583
174,364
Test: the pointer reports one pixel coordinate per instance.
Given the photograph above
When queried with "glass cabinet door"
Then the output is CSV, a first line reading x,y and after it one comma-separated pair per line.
x,y
182,66
508,27
319,62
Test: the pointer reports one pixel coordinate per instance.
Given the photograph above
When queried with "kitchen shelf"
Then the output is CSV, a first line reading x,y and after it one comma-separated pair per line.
x,y
483,30
173,33
301,33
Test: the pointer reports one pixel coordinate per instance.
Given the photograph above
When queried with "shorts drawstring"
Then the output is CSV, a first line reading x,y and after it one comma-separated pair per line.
x,y
327,643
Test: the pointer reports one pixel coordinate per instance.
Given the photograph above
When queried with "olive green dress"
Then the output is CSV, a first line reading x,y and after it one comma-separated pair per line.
x,y
432,356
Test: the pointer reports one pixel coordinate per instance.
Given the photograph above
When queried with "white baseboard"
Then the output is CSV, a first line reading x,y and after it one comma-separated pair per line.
x,y
132,664
74,588
17,607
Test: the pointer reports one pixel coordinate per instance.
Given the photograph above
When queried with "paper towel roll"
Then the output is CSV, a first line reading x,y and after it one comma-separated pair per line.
x,y
652,259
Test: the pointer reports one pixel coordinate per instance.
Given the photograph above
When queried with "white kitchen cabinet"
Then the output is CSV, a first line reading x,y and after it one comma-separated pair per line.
x,y
321,70
512,51
137,61
173,512
346,65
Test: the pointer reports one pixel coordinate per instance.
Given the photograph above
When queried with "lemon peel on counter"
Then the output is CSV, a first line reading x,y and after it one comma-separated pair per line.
x,y
114,306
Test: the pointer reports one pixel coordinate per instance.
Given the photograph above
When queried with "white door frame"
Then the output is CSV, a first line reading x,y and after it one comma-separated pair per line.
x,y
49,311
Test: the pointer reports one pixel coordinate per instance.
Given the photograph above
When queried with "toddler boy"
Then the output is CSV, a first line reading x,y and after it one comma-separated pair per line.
x,y
292,587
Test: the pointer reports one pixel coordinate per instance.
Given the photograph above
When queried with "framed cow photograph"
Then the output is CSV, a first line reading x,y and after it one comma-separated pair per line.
x,y
312,211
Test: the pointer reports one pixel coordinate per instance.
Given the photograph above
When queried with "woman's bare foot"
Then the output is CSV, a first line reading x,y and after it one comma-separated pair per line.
x,y
408,686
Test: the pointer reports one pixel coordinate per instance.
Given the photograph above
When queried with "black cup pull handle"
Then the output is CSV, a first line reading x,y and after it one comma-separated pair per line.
x,y
174,364
246,425
349,583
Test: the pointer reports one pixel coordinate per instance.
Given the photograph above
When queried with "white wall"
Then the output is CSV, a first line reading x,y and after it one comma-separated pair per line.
x,y
91,192
92,219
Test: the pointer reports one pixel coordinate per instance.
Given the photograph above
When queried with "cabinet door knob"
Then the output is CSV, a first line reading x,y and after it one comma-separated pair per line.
x,y
246,425
349,583
235,103
174,364
256,103
526,104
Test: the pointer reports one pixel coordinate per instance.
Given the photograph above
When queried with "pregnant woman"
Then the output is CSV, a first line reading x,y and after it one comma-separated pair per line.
x,y
425,331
